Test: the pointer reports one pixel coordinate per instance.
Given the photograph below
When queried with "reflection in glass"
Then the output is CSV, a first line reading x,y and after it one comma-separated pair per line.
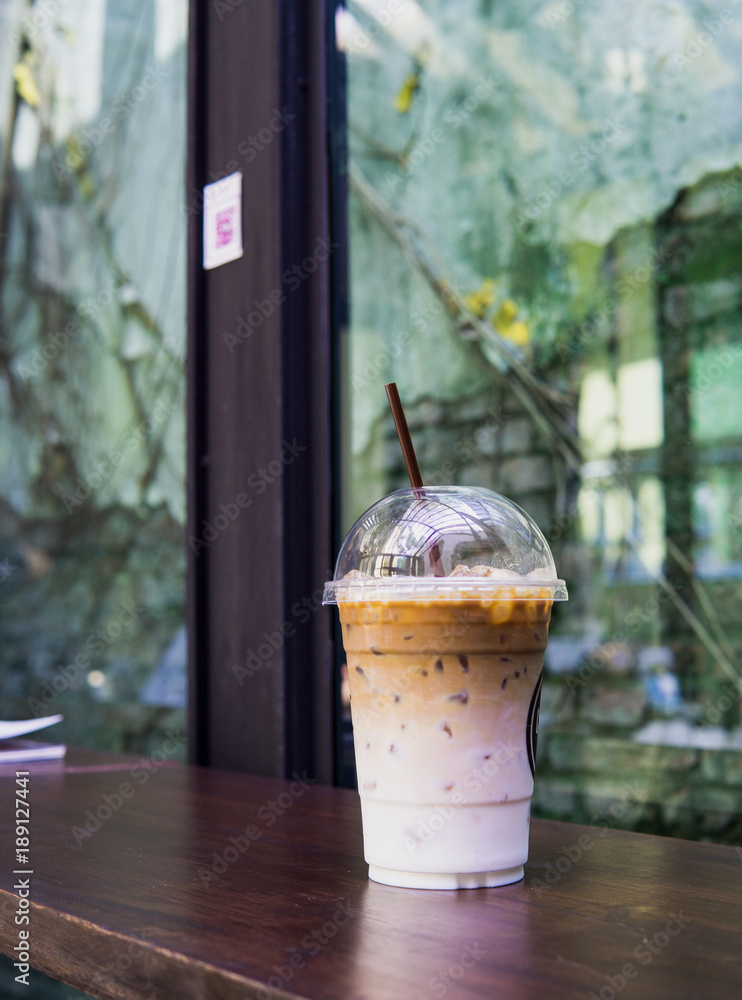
x,y
92,308
546,236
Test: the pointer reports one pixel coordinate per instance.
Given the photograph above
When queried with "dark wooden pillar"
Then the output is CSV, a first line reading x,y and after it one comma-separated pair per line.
x,y
260,408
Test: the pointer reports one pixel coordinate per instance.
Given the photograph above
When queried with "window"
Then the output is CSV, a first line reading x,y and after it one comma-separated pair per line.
x,y
103,504
544,217
545,240
92,385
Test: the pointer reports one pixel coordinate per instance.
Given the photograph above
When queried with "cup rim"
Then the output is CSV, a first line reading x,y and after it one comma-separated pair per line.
x,y
409,588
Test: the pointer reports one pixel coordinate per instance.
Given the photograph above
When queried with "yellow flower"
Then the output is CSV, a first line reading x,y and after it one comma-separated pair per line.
x,y
483,299
75,155
507,312
25,84
403,100
509,327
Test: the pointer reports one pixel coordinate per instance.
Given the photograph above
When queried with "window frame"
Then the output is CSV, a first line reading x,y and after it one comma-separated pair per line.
x,y
247,59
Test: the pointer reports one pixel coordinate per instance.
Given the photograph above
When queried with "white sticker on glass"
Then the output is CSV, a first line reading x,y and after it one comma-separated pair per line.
x,y
223,221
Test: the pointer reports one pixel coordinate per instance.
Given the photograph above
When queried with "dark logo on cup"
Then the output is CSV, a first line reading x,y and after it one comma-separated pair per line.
x,y
532,726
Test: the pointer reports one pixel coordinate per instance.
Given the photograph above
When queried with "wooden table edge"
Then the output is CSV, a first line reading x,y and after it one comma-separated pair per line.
x,y
55,950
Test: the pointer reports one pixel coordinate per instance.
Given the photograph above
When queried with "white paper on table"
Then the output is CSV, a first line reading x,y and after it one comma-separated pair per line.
x,y
9,730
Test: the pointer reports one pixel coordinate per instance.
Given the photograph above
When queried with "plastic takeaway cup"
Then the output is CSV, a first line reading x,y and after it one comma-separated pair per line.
x,y
445,598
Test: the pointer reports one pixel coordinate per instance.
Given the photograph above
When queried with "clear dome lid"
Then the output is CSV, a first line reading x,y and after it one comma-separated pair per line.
x,y
425,543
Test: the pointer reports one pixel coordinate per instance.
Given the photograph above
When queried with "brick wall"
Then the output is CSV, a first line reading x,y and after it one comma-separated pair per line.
x,y
590,769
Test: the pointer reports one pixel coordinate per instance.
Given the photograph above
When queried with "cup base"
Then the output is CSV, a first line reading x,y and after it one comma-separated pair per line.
x,y
445,880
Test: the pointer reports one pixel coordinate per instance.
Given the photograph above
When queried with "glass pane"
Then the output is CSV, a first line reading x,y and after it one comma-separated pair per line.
x,y
92,419
546,239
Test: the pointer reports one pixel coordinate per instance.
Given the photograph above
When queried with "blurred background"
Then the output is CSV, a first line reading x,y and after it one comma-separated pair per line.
x,y
545,253
546,239
93,220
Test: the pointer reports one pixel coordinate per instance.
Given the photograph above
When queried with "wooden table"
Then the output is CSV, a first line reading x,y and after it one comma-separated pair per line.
x,y
216,885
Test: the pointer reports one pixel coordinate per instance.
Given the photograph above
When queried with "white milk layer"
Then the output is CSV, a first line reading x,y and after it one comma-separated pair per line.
x,y
443,838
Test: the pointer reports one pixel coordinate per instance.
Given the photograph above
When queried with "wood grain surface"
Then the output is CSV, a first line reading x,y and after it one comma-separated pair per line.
x,y
210,884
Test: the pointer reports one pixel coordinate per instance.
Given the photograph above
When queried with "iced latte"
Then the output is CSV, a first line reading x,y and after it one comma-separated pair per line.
x,y
445,675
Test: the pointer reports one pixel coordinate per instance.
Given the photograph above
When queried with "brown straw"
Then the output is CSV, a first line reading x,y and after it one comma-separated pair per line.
x,y
410,460
403,432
